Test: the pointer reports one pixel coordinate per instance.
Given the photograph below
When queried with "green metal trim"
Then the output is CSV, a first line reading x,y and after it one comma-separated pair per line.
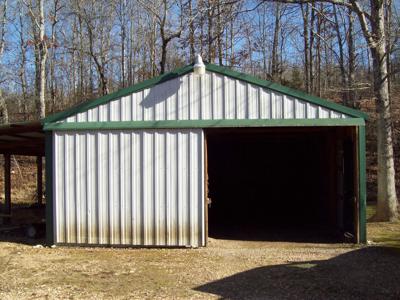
x,y
286,90
204,124
211,68
49,188
118,94
362,185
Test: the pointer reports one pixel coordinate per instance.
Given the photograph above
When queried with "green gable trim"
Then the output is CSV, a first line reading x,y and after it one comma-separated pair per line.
x,y
286,91
203,124
118,94
211,68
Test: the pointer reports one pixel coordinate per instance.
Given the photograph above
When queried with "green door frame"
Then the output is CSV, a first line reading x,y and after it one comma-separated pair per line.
x,y
362,186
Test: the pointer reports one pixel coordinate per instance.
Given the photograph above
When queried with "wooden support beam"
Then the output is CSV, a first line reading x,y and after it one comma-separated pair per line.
x,y
39,179
7,183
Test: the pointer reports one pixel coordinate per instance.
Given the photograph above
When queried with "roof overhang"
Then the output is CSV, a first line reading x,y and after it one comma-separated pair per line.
x,y
22,139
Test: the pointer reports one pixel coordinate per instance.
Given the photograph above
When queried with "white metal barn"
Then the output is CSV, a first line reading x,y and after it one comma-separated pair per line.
x,y
137,167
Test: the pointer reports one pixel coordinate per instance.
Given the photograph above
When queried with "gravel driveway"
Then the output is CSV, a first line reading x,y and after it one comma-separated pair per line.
x,y
225,269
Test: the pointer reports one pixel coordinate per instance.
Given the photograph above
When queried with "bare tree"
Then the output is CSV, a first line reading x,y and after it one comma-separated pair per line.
x,y
53,45
3,24
36,13
352,60
160,10
122,17
275,67
343,73
98,26
307,59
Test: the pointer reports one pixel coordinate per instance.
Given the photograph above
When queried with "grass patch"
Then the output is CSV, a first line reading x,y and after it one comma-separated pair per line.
x,y
383,233
371,209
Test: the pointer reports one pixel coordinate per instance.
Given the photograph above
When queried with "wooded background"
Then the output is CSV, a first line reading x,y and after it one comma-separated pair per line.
x,y
91,48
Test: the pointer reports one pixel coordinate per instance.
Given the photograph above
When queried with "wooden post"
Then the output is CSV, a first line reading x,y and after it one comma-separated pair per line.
x,y
39,179
7,184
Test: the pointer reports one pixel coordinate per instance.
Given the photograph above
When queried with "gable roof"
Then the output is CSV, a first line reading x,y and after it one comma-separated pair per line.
x,y
211,68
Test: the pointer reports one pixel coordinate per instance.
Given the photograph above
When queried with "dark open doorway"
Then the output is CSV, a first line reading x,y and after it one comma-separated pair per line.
x,y
289,184
22,210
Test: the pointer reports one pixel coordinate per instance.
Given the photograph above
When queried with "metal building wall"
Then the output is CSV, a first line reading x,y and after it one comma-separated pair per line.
x,y
207,97
142,187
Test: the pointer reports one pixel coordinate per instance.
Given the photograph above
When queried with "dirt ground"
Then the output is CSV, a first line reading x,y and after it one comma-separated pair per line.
x,y
225,270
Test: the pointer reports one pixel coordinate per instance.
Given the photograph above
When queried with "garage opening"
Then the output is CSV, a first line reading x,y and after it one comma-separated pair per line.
x,y
282,184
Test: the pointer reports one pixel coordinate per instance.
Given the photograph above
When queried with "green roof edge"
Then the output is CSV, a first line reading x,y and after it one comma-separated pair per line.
x,y
211,68
221,123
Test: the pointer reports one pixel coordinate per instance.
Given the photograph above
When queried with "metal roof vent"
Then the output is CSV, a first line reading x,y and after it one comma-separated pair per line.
x,y
199,68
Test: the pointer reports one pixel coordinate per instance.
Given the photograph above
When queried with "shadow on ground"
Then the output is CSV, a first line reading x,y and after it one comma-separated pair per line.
x,y
367,273
25,225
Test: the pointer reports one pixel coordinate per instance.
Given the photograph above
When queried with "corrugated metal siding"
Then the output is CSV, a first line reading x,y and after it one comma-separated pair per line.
x,y
211,96
129,187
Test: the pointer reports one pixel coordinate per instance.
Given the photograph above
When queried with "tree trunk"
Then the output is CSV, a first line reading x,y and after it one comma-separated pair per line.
x,y
163,56
41,105
352,62
191,32
219,34
123,56
305,13
3,109
40,57
388,27
275,44
122,12
152,42
343,74
22,72
310,48
3,104
387,206
318,50
210,29
53,81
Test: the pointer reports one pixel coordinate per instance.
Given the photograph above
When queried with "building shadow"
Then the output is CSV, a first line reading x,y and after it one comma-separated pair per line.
x,y
160,93
25,225
366,273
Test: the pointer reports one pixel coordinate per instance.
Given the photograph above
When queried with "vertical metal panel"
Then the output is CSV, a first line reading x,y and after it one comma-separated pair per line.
x,y
265,104
129,187
254,104
218,96
288,107
212,96
300,109
194,97
241,98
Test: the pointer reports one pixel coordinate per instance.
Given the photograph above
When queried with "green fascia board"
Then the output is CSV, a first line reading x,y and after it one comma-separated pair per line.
x,y
211,68
286,91
118,94
202,124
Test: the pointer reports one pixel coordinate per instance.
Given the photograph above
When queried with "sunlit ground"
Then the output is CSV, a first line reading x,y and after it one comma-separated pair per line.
x,y
226,269
382,233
